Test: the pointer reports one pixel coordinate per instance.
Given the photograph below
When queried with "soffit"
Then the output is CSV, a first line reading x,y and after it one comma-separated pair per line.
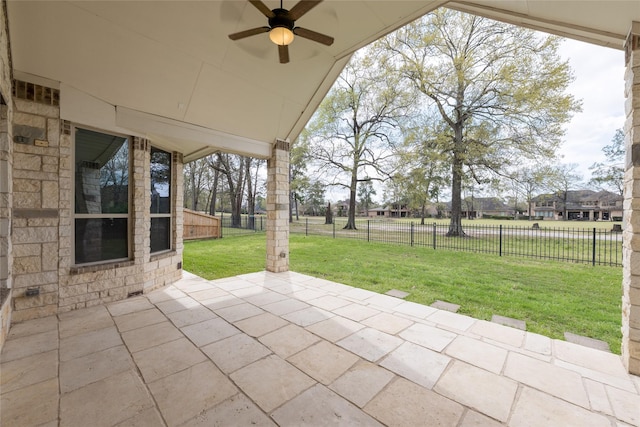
x,y
169,71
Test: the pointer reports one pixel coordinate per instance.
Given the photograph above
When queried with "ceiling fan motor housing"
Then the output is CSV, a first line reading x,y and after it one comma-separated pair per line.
x,y
281,18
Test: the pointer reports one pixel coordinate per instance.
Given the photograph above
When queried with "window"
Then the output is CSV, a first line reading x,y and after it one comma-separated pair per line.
x,y
101,197
160,200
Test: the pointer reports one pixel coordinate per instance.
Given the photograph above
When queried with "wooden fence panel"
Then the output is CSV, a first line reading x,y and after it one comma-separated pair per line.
x,y
198,225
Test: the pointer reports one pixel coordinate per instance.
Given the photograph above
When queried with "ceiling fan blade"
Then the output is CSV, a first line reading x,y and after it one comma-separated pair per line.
x,y
312,35
249,33
302,7
283,52
262,8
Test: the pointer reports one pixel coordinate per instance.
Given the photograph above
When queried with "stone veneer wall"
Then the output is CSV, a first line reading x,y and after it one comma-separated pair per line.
x,y
43,175
278,208
631,237
6,164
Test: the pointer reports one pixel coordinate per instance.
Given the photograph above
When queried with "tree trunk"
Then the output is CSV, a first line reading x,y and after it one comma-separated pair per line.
x,y
214,193
351,214
455,225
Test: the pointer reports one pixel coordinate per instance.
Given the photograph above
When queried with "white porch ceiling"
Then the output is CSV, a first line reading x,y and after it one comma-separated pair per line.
x,y
168,71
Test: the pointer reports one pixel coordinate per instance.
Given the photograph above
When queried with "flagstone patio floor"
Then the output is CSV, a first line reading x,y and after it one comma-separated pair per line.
x,y
292,350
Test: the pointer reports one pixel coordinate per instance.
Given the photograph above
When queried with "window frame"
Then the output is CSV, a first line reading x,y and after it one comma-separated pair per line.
x,y
75,216
171,208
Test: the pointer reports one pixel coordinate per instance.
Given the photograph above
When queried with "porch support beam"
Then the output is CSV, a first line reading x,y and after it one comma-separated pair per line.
x,y
278,208
631,240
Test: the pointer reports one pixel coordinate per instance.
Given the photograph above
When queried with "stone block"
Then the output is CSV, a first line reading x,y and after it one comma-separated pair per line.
x,y
50,194
26,186
27,200
22,265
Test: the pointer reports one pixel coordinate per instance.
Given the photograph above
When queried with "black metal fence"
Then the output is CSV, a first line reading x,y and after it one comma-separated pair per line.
x,y
581,245
244,225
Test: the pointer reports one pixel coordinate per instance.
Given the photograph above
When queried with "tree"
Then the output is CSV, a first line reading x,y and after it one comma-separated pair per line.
x,y
196,178
234,168
527,181
357,123
365,194
424,168
609,175
498,89
561,179
314,198
298,181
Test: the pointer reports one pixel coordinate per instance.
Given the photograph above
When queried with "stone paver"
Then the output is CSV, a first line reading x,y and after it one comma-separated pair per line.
x,y
184,395
404,403
335,328
270,382
89,342
362,382
323,361
235,352
586,341
503,334
288,340
209,331
31,405
428,336
451,320
448,306
416,363
554,380
29,370
261,324
478,353
535,409
229,352
237,410
140,319
106,402
168,358
320,406
76,373
370,344
481,390
150,336
388,323
509,321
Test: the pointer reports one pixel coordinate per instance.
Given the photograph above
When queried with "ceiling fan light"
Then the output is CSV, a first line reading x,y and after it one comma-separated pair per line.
x,y
281,36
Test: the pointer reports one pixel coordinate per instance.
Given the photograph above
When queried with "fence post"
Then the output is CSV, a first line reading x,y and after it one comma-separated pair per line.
x,y
411,233
334,228
593,258
306,226
368,230
434,235
500,239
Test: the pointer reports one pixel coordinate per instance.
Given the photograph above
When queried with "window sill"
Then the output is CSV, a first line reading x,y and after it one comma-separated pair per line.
x,y
100,267
161,255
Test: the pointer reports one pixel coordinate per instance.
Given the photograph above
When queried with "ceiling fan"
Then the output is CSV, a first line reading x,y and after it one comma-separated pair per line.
x,y
282,27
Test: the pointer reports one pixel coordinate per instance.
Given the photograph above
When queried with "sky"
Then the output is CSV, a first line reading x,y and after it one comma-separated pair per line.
x,y
599,83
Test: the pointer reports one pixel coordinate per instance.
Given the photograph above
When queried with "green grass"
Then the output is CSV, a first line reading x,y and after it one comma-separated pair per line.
x,y
552,297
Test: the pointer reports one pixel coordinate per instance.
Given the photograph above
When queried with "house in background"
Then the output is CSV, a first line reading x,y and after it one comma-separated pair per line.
x,y
481,207
394,210
586,205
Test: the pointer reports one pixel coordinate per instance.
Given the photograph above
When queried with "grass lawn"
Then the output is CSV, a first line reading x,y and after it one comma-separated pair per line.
x,y
552,297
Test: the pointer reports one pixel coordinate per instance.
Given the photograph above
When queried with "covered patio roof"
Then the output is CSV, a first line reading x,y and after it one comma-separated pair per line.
x,y
166,70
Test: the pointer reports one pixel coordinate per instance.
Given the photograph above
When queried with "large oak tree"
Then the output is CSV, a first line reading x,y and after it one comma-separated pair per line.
x,y
500,91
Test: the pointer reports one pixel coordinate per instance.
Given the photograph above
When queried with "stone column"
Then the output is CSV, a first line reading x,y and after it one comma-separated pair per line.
x,y
278,208
631,239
